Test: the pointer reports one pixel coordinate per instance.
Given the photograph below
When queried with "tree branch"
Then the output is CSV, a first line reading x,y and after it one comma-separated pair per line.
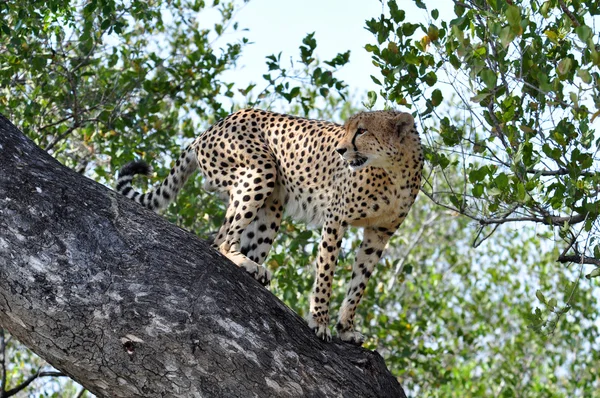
x,y
565,9
549,220
130,305
579,259
62,136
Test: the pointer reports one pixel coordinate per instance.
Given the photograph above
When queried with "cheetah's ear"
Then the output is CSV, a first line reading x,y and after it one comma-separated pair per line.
x,y
404,122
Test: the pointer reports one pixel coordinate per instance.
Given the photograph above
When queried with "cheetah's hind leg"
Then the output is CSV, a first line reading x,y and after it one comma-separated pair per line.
x,y
259,236
249,193
257,271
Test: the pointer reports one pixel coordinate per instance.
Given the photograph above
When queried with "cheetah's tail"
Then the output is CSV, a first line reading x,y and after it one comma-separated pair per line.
x,y
160,197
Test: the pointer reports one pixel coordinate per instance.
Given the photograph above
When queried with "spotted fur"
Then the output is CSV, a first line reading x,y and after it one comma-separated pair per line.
x,y
365,173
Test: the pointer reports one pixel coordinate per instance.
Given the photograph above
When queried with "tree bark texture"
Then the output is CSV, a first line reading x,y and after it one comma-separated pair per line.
x,y
130,305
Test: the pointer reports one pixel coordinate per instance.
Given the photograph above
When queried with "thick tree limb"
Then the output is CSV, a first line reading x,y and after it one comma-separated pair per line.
x,y
131,306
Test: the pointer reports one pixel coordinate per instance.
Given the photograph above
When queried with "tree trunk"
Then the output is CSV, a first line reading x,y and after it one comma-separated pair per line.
x,y
129,305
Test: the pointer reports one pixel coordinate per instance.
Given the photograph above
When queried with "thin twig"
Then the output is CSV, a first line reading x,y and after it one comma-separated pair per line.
x,y
29,380
410,248
62,136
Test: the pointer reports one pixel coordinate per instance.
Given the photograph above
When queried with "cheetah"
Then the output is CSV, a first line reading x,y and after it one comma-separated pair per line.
x,y
366,173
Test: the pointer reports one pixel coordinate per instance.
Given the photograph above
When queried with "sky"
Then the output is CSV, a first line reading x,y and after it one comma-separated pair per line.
x,y
276,25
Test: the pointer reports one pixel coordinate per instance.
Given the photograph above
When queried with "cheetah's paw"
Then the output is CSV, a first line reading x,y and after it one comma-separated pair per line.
x,y
258,272
352,336
320,328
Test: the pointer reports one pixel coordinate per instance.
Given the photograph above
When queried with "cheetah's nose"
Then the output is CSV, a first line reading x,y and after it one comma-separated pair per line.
x,y
341,151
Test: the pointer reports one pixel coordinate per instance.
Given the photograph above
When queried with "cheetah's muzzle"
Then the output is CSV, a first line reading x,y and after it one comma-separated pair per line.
x,y
357,163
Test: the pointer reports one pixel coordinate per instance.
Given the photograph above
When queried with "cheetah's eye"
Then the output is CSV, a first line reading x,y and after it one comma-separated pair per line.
x,y
360,131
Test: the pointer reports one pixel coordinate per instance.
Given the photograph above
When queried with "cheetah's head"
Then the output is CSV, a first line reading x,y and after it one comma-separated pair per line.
x,y
374,138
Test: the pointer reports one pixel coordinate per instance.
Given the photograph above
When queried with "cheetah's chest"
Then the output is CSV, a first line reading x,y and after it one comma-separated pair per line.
x,y
384,205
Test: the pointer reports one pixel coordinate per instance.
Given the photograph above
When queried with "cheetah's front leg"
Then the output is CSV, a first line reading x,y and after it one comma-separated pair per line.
x,y
371,248
331,240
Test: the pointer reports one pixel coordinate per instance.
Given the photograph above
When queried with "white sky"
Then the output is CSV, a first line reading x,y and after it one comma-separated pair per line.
x,y
276,25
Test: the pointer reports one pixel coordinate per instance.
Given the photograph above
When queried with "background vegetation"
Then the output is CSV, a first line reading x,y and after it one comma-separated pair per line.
x,y
483,290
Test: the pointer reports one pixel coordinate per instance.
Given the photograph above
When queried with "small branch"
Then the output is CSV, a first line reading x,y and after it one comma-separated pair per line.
x,y
579,259
563,7
547,220
550,220
60,137
64,119
410,248
559,172
28,381
571,243
477,242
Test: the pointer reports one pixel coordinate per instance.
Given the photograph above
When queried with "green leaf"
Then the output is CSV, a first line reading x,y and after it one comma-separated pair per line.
x,y
478,175
409,28
494,192
574,99
540,296
488,77
513,15
435,13
501,181
458,10
411,59
584,75
564,66
371,100
480,97
545,9
420,4
506,36
430,78
521,192
477,190
436,97
584,33
594,274
454,61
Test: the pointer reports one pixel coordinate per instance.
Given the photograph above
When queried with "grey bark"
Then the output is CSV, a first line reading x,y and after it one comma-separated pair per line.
x,y
129,305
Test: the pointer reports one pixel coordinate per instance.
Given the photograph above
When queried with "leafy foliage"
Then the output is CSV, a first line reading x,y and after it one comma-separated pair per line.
x,y
110,74
508,92
525,80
